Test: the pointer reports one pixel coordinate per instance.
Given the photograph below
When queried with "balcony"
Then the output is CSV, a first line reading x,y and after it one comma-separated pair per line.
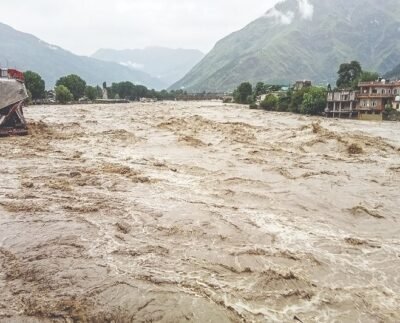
x,y
339,97
377,95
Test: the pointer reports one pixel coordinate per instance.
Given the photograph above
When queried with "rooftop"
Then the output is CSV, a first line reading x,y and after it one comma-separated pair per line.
x,y
380,83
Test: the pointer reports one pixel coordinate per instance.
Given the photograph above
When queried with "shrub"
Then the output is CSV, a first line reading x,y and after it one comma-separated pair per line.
x,y
270,102
63,95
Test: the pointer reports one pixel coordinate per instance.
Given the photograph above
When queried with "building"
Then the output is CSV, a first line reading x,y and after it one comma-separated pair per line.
x,y
396,104
299,85
341,104
366,104
12,96
375,96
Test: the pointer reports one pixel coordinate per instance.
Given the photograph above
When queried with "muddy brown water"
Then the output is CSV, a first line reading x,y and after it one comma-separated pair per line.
x,y
199,212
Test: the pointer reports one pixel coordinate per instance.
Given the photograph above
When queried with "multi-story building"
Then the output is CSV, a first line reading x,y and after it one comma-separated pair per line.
x,y
368,103
375,96
341,104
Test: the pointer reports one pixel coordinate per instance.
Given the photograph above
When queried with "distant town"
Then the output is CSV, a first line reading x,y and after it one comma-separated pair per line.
x,y
358,94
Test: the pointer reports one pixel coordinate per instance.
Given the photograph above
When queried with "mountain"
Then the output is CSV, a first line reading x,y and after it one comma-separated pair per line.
x,y
394,73
169,65
26,52
302,39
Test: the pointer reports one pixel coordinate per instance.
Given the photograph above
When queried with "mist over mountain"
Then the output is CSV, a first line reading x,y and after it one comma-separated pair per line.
x,y
302,39
168,65
27,52
394,73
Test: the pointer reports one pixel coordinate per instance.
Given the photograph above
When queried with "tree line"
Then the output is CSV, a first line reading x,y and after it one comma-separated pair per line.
x,y
307,100
74,88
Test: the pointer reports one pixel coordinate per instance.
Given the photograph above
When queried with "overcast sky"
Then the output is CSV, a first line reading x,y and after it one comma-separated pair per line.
x,y
83,26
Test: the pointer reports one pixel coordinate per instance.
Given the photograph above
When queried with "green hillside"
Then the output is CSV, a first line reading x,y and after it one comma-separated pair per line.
x,y
26,52
293,41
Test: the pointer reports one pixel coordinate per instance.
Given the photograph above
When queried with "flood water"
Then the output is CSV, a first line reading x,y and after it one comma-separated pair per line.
x,y
199,212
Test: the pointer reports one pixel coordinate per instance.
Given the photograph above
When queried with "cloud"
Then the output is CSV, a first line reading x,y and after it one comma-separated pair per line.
x,y
84,26
306,9
135,66
281,17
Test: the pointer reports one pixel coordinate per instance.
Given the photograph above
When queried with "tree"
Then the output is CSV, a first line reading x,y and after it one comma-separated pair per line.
x,y
124,90
35,85
63,95
127,90
284,101
243,92
348,74
91,93
368,76
314,101
296,100
74,84
141,91
270,102
259,89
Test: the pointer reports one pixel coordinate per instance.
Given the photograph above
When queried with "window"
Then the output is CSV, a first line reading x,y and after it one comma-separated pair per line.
x,y
383,92
4,72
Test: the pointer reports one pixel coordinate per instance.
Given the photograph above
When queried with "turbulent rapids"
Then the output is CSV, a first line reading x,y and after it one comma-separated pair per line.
x,y
198,212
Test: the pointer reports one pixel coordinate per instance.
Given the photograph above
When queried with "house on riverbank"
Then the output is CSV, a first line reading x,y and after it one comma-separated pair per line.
x,y
341,104
375,96
366,104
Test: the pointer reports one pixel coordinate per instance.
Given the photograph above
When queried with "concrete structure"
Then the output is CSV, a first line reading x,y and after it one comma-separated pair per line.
x,y
105,91
299,85
341,104
367,104
12,96
370,117
375,96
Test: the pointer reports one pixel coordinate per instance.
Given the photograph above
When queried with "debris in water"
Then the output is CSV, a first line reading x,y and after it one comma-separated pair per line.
x,y
355,149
